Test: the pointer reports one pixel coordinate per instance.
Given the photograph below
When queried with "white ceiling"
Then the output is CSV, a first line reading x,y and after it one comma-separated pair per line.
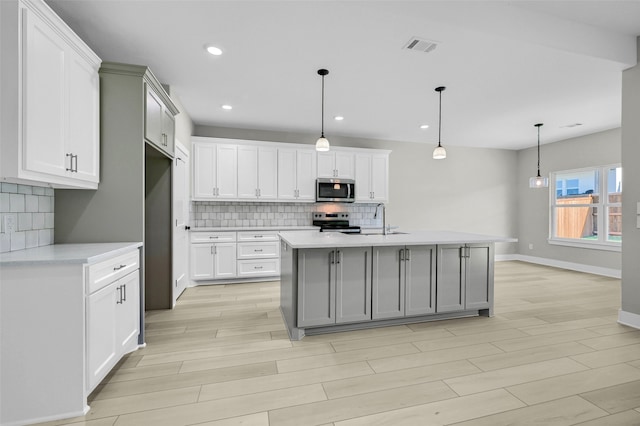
x,y
506,64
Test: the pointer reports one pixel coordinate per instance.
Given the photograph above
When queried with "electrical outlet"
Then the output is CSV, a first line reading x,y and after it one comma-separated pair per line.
x,y
9,223
530,246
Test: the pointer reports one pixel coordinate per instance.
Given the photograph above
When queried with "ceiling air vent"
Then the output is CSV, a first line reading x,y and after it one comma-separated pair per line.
x,y
420,45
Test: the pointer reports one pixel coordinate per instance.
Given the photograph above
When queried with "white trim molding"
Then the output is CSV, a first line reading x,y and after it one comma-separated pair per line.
x,y
607,272
629,318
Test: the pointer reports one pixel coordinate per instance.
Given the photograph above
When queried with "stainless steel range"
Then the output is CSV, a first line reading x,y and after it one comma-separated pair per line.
x,y
334,222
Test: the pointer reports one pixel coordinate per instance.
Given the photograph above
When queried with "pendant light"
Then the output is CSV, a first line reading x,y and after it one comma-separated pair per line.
x,y
439,152
322,144
538,181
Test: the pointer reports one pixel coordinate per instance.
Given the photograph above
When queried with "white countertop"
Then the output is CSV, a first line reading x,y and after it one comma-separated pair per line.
x,y
255,228
316,239
66,253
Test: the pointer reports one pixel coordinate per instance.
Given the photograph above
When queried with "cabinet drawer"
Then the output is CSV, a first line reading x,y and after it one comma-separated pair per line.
x,y
213,237
258,250
258,236
258,267
106,272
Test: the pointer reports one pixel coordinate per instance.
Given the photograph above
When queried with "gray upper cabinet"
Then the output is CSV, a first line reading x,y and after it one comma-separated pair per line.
x,y
334,286
465,273
403,281
159,123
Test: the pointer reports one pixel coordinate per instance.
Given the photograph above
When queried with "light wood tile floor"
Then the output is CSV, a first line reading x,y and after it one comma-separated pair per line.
x,y
552,355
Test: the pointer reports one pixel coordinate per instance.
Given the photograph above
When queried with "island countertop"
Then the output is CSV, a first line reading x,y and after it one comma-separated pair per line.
x,y
316,239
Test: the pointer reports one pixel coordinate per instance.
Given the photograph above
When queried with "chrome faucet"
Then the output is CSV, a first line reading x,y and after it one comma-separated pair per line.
x,y
384,215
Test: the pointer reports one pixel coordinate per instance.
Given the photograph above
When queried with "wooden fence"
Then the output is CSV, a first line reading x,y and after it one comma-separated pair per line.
x,y
581,222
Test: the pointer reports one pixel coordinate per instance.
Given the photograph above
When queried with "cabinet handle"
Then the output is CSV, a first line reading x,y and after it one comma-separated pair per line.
x,y
258,236
338,254
71,158
117,268
124,292
257,267
332,257
119,301
401,255
257,250
214,238
408,257
468,251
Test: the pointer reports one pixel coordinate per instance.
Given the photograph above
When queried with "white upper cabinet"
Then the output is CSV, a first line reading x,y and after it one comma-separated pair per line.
x,y
336,164
50,89
296,174
257,172
215,171
241,170
372,177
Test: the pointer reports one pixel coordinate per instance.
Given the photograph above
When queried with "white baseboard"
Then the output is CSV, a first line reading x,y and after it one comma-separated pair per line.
x,y
607,272
629,318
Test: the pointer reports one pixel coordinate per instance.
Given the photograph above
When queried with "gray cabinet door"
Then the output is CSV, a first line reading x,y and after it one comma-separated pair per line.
x,y
479,275
450,288
388,283
420,280
316,287
353,284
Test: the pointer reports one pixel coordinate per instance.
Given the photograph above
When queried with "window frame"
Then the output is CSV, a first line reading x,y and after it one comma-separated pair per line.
x,y
602,206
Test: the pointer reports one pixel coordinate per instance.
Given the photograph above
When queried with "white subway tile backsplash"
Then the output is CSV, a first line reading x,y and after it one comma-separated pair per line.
x,y
9,187
18,240
237,214
25,222
16,203
32,239
32,211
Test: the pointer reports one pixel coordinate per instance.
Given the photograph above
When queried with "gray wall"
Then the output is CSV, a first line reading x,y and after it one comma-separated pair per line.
x,y
631,191
533,204
184,125
471,191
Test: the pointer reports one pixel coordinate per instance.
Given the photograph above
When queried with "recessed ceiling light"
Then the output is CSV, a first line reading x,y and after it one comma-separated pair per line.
x,y
216,51
338,118
227,107
424,126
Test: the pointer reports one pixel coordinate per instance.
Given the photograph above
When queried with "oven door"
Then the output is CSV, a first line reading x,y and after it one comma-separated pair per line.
x,y
335,190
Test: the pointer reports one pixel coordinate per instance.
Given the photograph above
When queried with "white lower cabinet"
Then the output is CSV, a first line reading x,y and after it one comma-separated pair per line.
x,y
213,255
65,320
113,324
258,254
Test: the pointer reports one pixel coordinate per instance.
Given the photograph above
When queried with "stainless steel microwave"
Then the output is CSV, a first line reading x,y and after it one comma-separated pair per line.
x,y
336,190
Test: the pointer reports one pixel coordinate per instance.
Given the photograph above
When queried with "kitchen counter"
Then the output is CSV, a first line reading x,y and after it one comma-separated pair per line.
x,y
66,254
255,228
314,239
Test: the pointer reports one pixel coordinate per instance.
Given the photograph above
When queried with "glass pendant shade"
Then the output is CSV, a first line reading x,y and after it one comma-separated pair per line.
x,y
322,144
538,182
439,153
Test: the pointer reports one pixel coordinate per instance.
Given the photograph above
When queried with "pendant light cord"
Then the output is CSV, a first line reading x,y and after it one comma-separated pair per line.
x,y
322,123
440,119
538,126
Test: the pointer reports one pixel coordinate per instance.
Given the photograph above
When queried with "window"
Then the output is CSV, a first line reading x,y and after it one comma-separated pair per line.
x,y
586,207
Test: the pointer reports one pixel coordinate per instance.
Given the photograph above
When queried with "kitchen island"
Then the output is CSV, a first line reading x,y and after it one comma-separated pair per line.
x,y
334,282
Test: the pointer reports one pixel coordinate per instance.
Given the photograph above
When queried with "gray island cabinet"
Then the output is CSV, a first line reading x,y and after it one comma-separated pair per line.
x,y
334,282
